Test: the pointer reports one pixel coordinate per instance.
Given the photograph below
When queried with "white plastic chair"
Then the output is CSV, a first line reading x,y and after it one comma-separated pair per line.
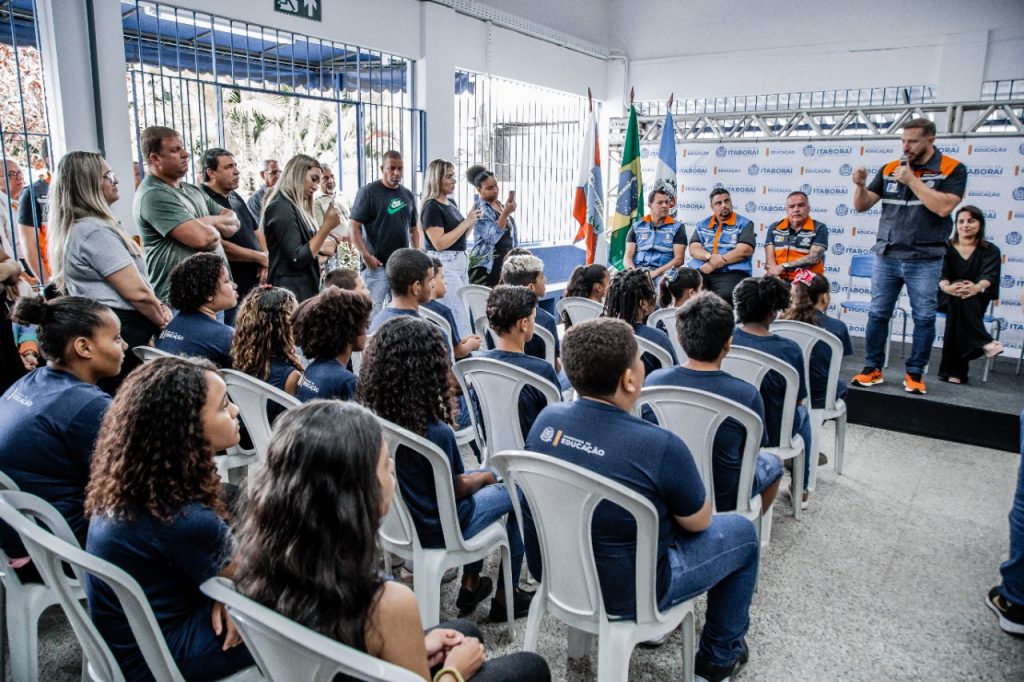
x,y
483,329
578,309
49,550
446,329
660,354
497,386
549,344
25,602
807,336
398,532
474,300
667,317
286,651
147,353
695,416
252,397
752,366
562,499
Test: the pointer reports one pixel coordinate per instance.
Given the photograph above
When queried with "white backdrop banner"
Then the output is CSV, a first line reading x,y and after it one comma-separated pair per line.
x,y
759,175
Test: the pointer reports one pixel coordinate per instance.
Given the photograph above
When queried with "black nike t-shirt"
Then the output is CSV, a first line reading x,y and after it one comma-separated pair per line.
x,y
387,215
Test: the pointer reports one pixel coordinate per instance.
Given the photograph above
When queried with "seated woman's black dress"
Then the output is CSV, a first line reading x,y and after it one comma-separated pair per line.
x,y
965,335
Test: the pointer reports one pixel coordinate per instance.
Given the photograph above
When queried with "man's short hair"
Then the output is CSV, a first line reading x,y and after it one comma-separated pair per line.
x,y
596,354
704,324
391,154
343,278
656,191
719,190
438,265
211,160
798,192
152,139
267,162
194,281
521,270
506,305
406,267
926,126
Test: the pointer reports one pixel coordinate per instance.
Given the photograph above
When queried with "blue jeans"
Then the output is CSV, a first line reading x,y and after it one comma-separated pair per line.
x,y
767,470
1012,587
377,282
922,280
722,561
456,275
492,502
802,426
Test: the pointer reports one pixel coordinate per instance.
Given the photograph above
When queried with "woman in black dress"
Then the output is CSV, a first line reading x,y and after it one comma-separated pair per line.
x,y
970,281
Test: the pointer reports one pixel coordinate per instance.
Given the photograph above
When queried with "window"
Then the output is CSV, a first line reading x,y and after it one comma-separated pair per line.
x,y
992,91
817,99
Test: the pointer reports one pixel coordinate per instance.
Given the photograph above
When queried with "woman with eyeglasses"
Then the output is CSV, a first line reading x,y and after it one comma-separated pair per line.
x,y
92,256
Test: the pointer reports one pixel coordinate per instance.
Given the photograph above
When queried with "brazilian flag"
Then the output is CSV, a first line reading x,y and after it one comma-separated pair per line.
x,y
629,204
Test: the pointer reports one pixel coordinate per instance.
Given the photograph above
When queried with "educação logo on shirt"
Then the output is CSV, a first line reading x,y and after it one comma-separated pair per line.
x,y
547,434
556,438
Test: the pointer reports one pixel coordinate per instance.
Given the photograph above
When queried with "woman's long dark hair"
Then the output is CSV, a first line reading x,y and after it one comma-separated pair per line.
x,y
406,375
307,547
977,215
582,282
627,291
804,298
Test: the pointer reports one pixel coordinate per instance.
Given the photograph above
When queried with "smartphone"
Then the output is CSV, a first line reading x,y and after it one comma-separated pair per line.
x,y
511,195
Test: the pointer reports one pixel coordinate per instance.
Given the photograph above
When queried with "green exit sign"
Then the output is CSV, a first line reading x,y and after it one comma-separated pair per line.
x,y
307,9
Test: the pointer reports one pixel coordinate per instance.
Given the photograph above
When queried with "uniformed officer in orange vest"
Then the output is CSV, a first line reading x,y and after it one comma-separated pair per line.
x,y
797,241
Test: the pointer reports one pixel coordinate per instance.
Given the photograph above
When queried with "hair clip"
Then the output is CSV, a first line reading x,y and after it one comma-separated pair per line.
x,y
670,275
803,276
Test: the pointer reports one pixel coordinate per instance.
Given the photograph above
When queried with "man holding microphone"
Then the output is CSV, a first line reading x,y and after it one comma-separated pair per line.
x,y
918,193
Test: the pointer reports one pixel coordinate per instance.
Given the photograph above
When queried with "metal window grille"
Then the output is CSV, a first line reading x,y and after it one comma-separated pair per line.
x,y
24,130
993,91
785,101
530,138
265,93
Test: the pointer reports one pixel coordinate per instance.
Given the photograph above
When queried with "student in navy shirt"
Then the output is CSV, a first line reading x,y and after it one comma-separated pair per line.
x,y
465,346
328,327
586,281
810,300
405,380
49,418
677,287
154,500
264,342
704,325
410,278
697,552
526,270
757,300
200,288
511,315
631,299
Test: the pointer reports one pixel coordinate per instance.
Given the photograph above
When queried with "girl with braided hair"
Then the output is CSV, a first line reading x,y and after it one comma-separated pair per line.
x,y
631,298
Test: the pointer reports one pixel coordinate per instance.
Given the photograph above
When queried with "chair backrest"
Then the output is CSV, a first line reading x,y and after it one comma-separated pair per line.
x,y
398,526
474,300
49,551
446,329
285,650
753,366
648,346
807,336
483,329
562,499
7,483
357,360
861,267
578,309
695,416
147,353
252,396
496,386
667,316
549,343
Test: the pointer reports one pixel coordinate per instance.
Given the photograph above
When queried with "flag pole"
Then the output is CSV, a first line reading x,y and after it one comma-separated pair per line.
x,y
590,100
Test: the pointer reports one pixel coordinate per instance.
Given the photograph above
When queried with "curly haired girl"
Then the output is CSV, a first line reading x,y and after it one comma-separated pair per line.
x,y
264,343
405,379
328,327
155,508
631,298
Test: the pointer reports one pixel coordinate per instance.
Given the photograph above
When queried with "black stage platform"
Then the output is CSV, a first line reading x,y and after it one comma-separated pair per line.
x,y
985,414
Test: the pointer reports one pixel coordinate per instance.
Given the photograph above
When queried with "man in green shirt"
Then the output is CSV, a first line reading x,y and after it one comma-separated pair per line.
x,y
175,219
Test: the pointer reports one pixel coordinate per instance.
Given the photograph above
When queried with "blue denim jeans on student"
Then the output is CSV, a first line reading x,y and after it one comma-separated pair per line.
x,y
492,502
377,282
721,561
1012,570
922,280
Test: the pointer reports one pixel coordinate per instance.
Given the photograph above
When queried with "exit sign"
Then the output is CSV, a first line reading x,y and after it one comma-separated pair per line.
x,y
307,9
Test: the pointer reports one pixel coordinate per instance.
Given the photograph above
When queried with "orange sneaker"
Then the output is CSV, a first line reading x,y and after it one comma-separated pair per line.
x,y
914,385
869,377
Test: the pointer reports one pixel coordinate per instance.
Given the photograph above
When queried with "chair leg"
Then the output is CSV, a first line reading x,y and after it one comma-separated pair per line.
x,y
690,643
840,442
798,483
510,591
426,583
815,448
22,638
533,621
766,526
579,643
613,653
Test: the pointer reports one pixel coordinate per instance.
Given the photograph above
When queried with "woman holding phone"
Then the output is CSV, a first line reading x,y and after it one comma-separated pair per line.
x,y
494,234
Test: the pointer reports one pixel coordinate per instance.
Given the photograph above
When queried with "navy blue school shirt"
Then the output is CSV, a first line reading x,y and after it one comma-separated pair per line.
x,y
389,314
416,481
194,334
48,425
773,386
531,401
727,451
535,346
821,357
170,560
326,379
280,369
445,312
646,458
659,337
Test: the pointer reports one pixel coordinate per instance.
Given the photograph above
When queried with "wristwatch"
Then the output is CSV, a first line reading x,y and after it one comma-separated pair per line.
x,y
707,256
